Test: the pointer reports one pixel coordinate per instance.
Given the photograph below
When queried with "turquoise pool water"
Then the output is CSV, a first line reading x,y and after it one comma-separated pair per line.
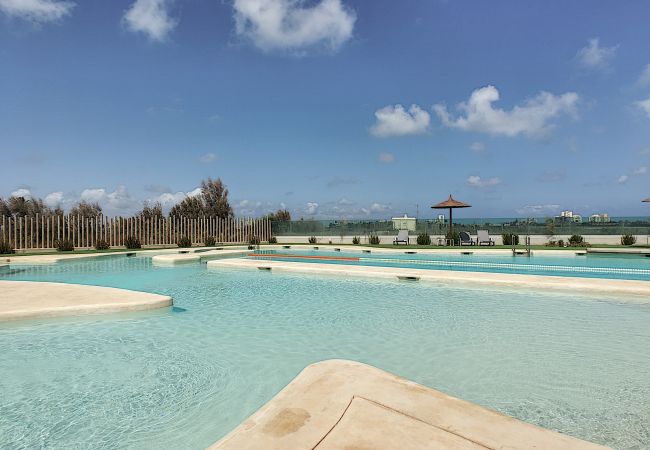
x,y
183,378
631,267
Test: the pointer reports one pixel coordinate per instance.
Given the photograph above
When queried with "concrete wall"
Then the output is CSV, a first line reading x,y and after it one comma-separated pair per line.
x,y
535,239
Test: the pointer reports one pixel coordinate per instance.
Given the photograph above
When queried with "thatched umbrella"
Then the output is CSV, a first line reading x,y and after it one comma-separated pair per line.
x,y
646,200
450,204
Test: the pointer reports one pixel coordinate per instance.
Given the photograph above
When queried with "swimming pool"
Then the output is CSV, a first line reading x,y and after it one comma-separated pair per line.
x,y
572,264
183,378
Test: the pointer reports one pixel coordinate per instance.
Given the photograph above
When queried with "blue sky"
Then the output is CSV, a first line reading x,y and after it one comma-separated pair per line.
x,y
332,108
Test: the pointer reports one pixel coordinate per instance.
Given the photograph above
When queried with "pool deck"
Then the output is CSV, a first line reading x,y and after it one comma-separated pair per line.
x,y
22,300
181,258
635,291
340,404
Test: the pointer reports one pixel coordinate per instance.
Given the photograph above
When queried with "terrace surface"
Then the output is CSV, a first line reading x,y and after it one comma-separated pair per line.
x,y
340,404
21,300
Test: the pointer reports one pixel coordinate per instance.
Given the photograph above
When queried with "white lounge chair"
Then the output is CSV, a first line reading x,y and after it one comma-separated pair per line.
x,y
402,236
483,237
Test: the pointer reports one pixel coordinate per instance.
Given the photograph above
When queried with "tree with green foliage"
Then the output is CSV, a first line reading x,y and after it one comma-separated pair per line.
x,y
86,209
151,211
211,202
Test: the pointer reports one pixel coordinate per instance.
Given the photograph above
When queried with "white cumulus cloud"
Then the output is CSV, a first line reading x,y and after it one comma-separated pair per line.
x,y
397,121
294,25
386,157
593,56
478,182
37,11
311,208
150,17
53,199
532,118
22,192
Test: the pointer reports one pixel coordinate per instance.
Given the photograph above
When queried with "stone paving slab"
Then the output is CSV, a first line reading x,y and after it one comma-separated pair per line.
x,y
340,404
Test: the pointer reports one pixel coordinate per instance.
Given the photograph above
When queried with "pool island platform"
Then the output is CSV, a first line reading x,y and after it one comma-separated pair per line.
x,y
23,300
339,404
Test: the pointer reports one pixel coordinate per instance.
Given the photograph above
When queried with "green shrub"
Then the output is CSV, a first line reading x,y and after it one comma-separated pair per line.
x,y
373,239
560,242
64,245
453,235
132,242
273,240
424,239
551,243
184,241
6,248
101,244
312,239
576,240
356,240
210,241
254,240
628,239
510,239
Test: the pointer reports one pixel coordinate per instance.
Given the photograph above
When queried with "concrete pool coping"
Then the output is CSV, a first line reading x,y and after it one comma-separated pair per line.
x,y
180,258
23,300
339,404
639,290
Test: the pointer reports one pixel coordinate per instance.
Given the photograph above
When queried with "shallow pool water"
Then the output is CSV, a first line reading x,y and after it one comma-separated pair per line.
x,y
568,264
183,377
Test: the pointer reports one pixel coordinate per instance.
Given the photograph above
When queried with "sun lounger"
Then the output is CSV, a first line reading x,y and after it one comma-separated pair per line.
x,y
483,238
402,237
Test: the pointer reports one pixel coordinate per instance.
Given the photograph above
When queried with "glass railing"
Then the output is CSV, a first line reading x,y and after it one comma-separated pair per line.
x,y
635,226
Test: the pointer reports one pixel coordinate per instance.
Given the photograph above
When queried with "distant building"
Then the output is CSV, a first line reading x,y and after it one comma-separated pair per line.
x,y
569,216
404,223
440,219
600,218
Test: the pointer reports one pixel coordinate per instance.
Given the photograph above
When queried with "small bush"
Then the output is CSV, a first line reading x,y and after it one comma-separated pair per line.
x,y
373,239
560,242
510,239
551,243
101,244
6,248
64,245
210,241
184,241
576,240
273,240
628,239
312,239
132,242
356,240
254,240
424,239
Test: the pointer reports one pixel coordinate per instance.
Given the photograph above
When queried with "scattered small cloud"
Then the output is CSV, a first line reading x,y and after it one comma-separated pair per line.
x,y
572,143
537,210
397,121
477,147
622,179
594,57
478,182
531,119
644,105
644,78
37,11
644,151
208,158
640,170
311,209
386,157
214,118
292,25
378,207
150,17
22,192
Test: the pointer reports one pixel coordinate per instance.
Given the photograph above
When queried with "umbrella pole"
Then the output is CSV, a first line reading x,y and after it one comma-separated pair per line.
x,y
451,226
